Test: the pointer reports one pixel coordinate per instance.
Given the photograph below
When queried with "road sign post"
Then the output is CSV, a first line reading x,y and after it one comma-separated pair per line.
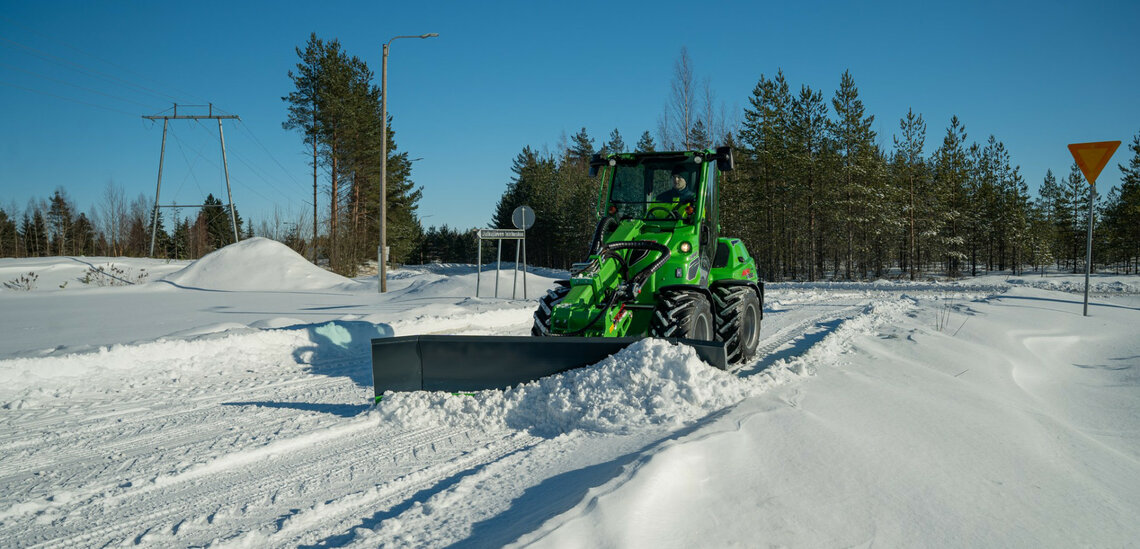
x,y
523,219
1091,158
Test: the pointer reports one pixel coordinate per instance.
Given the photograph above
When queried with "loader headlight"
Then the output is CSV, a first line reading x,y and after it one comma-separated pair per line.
x,y
686,247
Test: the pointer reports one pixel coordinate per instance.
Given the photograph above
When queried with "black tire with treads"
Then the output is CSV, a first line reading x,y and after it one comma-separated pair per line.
x,y
545,309
737,321
682,314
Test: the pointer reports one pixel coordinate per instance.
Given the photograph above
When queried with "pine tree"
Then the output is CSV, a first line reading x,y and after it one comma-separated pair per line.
x,y
179,245
810,149
403,198
304,108
60,218
699,137
855,144
615,144
581,149
950,174
1122,213
82,236
645,143
9,236
911,171
1075,201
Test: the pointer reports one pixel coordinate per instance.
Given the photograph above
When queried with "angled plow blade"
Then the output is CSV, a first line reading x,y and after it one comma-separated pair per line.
x,y
474,363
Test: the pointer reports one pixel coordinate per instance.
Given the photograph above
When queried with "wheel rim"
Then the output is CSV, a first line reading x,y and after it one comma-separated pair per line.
x,y
750,327
702,328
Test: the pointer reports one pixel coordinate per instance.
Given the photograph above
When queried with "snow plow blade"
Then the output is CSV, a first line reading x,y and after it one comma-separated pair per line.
x,y
474,363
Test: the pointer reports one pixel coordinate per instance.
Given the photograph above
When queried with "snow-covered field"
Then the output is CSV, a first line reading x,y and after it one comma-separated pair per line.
x,y
227,402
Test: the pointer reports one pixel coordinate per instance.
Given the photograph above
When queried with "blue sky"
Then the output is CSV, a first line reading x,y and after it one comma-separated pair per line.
x,y
75,78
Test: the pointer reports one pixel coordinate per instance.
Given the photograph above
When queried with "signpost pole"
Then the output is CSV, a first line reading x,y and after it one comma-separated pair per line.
x,y
524,263
479,262
1091,158
515,284
1088,251
498,267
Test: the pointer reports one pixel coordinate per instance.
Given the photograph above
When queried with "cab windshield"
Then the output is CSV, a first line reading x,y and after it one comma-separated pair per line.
x,y
638,186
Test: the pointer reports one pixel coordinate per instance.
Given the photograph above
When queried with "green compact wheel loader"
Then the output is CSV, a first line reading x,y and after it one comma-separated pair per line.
x,y
657,267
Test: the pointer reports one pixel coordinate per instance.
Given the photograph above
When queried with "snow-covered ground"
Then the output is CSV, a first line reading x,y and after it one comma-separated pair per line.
x,y
226,403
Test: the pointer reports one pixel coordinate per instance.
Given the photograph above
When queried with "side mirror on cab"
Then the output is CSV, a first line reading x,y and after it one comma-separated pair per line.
x,y
724,161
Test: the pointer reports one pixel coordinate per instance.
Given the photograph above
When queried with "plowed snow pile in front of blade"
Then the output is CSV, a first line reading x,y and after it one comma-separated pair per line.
x,y
651,382
258,264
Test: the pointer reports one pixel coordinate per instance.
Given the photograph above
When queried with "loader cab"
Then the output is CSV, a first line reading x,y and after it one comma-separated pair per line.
x,y
655,187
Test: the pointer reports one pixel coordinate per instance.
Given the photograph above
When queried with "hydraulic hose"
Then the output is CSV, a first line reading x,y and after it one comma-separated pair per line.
x,y
647,245
600,231
610,251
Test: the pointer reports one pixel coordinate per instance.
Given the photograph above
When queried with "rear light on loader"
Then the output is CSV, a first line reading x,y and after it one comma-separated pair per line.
x,y
686,247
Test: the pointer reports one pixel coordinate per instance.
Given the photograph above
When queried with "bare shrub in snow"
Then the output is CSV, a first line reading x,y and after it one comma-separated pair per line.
x,y
113,276
26,282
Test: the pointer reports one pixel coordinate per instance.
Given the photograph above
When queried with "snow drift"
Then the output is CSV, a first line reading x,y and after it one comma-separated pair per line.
x,y
257,264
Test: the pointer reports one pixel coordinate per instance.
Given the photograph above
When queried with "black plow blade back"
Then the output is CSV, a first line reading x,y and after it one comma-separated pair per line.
x,y
474,363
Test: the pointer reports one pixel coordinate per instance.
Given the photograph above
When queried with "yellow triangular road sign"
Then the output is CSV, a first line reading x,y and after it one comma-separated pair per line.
x,y
1093,157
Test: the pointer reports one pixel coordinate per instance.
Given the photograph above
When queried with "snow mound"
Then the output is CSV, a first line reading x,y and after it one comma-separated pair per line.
x,y
257,264
650,383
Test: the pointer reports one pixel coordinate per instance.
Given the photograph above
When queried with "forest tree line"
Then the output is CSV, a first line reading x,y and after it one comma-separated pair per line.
x,y
56,226
815,194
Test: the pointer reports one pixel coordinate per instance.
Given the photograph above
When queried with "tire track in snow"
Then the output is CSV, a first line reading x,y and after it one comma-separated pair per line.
x,y
258,485
148,424
335,517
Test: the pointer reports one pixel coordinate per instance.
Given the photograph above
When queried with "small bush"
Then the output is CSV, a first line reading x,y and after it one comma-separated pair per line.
x,y
26,282
112,275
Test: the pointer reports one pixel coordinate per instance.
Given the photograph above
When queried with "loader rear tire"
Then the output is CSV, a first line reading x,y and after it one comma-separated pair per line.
x,y
546,304
737,321
682,314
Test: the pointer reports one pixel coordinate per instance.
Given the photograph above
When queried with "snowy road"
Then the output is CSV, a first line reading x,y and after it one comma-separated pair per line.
x,y
263,435
189,458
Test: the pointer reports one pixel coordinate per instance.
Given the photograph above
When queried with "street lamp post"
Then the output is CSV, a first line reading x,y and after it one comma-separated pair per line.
x,y
380,255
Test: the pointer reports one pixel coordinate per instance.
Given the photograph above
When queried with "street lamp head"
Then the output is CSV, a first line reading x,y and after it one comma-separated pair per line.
x,y
429,35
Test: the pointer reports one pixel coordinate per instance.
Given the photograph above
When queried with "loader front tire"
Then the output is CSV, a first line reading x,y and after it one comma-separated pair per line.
x,y
546,304
682,314
737,321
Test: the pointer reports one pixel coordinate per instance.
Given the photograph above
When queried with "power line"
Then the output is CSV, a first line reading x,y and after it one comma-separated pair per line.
x,y
189,166
271,156
93,72
66,83
49,94
256,172
56,40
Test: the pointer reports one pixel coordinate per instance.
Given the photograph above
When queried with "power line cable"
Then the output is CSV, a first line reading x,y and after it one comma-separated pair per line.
x,y
66,83
189,165
256,172
93,72
242,184
288,173
56,40
81,102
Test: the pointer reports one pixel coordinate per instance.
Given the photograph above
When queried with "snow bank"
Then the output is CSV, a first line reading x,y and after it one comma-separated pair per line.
x,y
286,351
652,382
1015,429
258,264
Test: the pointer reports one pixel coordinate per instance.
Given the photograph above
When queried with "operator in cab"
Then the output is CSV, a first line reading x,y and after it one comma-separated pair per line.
x,y
680,191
